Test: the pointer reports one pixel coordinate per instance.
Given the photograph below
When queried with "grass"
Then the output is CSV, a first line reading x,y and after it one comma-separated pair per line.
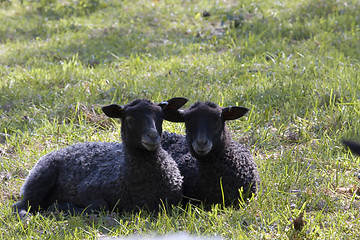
x,y
294,64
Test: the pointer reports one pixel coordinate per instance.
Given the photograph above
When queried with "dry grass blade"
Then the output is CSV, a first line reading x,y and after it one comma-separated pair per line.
x,y
299,222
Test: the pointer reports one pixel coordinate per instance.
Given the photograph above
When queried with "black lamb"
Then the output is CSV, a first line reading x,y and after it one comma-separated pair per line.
x,y
215,168
354,147
105,176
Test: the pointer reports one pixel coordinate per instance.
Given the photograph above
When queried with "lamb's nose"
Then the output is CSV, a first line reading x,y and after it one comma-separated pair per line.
x,y
153,135
202,142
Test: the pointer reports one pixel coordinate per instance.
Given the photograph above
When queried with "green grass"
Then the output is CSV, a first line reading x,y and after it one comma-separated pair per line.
x,y
294,64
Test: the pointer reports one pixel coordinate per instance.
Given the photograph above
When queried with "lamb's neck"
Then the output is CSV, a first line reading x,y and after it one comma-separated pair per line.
x,y
140,155
226,138
215,156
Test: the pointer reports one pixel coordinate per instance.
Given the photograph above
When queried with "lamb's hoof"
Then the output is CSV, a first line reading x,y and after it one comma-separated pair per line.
x,y
24,215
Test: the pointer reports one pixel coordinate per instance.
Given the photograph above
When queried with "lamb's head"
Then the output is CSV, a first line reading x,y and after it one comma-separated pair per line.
x,y
141,121
354,147
205,124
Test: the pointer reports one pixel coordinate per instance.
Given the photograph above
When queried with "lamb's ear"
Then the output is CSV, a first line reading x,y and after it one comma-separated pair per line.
x,y
173,103
174,115
354,147
113,110
231,113
171,109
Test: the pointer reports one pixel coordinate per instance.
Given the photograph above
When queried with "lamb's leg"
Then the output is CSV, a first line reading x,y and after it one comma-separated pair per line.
x,y
67,208
41,180
95,207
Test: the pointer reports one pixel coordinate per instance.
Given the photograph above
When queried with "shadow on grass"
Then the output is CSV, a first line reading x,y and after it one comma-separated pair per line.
x,y
145,34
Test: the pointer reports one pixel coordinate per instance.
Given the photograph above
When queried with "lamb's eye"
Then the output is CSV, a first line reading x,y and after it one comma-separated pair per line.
x,y
129,120
216,124
190,125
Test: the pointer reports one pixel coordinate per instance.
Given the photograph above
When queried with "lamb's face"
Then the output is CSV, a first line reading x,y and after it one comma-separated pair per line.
x,y
142,126
204,127
141,120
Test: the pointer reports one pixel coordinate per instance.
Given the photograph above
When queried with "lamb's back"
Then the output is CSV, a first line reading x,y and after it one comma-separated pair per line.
x,y
86,172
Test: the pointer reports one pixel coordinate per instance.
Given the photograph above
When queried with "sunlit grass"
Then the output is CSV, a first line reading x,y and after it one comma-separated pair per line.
x,y
294,64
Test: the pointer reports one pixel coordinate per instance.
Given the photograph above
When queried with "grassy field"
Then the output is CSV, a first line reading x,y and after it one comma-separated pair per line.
x,y
294,64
